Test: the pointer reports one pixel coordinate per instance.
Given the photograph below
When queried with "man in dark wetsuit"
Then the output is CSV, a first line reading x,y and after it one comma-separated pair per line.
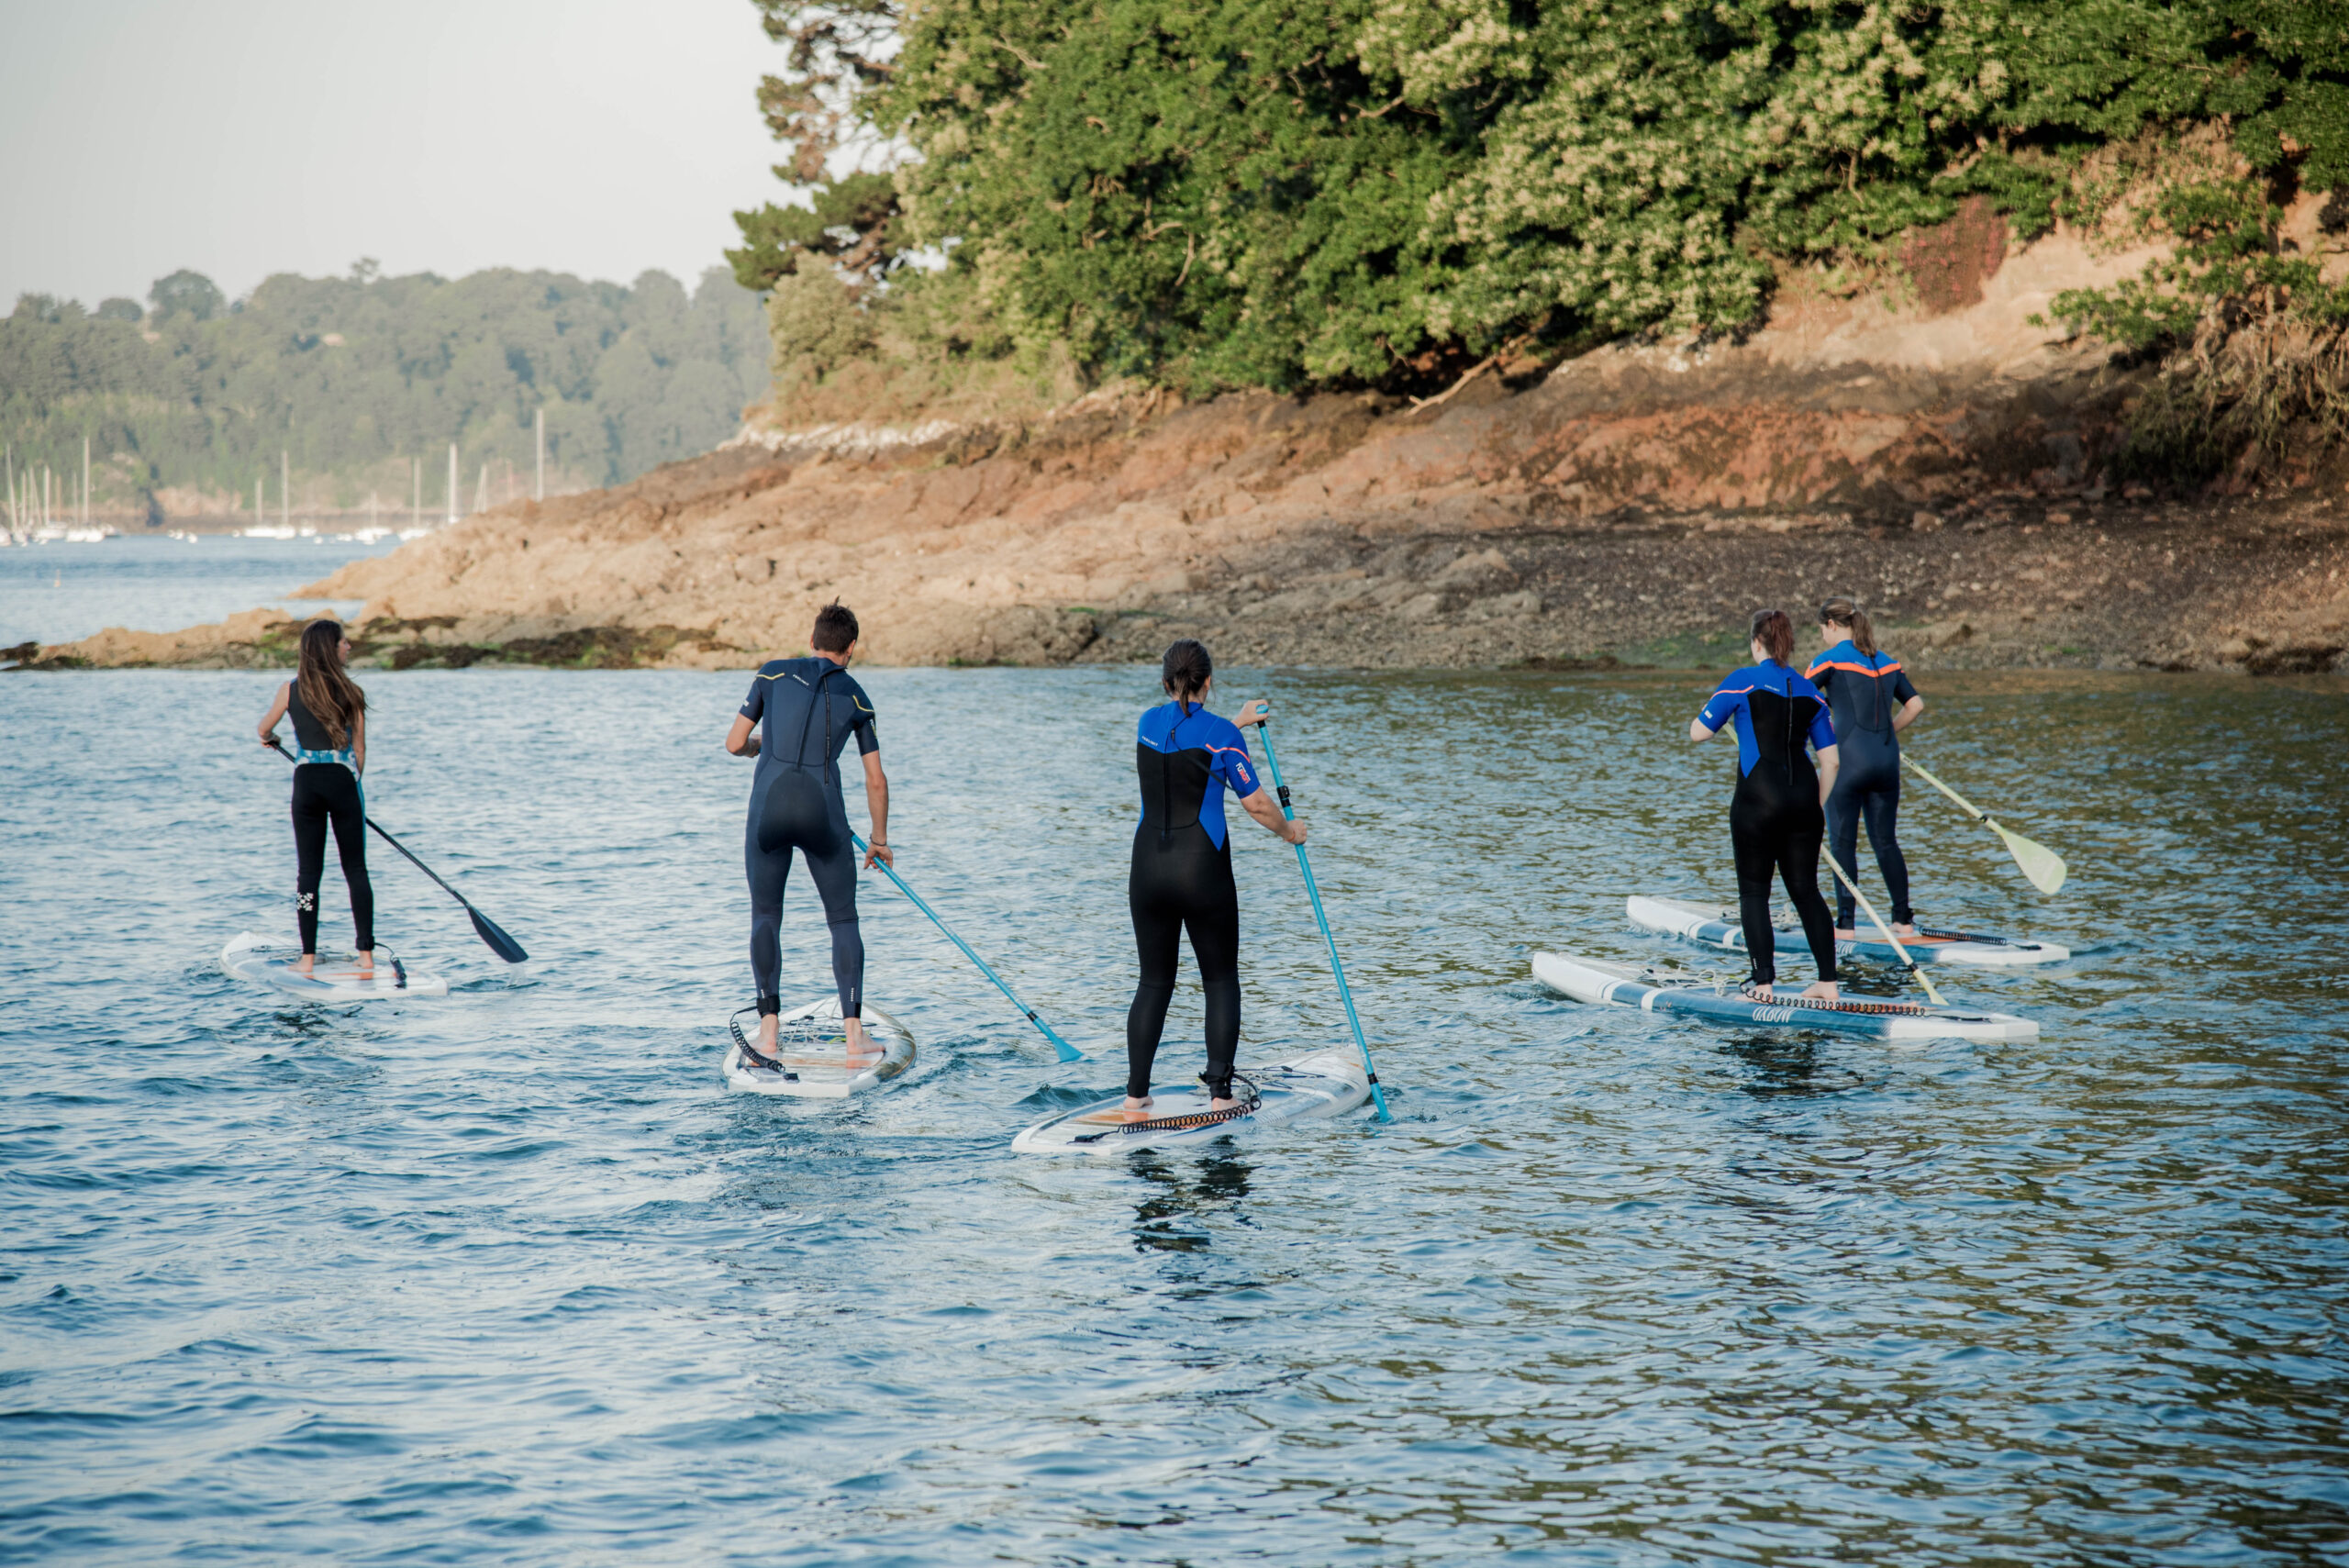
x,y
809,708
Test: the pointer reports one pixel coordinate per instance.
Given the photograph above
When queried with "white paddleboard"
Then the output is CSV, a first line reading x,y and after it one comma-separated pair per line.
x,y
1628,985
335,974
814,1047
1322,1083
1715,927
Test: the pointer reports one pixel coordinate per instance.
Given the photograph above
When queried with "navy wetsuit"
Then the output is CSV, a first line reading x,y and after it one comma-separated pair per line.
x,y
1864,691
808,708
1775,822
327,792
1181,880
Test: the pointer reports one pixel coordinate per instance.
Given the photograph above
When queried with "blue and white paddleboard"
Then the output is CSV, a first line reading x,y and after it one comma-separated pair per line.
x,y
1714,926
334,975
1625,985
1322,1083
814,1047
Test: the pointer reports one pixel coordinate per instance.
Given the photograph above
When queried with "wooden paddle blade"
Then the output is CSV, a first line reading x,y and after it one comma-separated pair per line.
x,y
495,939
2042,865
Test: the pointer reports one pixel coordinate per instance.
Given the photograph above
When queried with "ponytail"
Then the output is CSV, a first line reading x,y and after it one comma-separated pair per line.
x,y
1774,632
1185,670
1844,612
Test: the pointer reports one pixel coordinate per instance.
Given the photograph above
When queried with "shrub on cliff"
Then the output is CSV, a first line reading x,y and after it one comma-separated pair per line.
x,y
1284,194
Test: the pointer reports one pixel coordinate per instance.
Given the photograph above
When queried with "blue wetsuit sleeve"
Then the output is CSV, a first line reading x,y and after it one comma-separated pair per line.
x,y
1721,707
1902,688
754,707
1822,728
1231,763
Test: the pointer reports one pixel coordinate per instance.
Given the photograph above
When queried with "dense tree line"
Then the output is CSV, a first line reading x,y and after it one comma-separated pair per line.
x,y
354,376
1211,194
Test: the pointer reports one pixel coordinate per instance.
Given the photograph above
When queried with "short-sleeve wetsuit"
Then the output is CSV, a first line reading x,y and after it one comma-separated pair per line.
x,y
1775,822
808,708
1864,691
1181,879
327,792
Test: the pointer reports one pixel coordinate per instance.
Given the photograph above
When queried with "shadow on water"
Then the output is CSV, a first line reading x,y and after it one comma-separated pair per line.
x,y
1782,1067
1213,1187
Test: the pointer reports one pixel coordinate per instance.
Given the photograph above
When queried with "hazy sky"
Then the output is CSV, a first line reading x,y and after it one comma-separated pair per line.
x,y
242,138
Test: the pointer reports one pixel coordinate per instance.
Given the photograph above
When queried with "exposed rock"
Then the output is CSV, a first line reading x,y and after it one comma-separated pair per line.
x,y
1637,500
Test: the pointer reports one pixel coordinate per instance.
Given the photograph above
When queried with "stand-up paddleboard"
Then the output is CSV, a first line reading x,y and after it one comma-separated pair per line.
x,y
1322,1083
1625,985
1715,927
814,1047
335,974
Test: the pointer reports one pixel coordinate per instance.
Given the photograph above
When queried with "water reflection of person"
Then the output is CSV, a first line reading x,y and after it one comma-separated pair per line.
x,y
1220,1183
1180,877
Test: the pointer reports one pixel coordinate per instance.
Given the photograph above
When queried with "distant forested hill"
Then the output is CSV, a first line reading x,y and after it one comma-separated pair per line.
x,y
191,398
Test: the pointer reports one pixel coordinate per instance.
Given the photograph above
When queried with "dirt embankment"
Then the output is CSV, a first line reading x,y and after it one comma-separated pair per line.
x,y
1940,460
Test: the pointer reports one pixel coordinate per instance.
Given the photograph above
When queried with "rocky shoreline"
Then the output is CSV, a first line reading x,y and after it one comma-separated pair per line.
x,y
1948,470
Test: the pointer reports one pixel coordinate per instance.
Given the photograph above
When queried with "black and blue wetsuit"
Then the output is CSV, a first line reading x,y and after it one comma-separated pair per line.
x,y
1864,691
327,792
1775,822
808,708
1181,880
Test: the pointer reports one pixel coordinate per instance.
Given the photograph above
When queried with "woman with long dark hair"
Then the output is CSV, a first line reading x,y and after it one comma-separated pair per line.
x,y
1776,819
329,715
1871,701
1180,880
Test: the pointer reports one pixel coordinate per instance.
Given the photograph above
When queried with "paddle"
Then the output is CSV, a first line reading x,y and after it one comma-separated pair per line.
x,y
1874,920
1067,1051
1377,1096
493,936
2042,865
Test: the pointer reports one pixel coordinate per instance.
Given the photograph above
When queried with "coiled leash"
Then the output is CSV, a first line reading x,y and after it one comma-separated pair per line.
x,y
1246,1108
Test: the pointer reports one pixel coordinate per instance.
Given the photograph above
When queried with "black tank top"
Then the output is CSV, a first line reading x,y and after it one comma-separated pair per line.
x,y
309,731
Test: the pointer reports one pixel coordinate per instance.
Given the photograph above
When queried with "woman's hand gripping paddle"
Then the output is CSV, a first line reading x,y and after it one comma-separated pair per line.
x,y
2042,865
1067,1051
492,934
1878,922
1377,1096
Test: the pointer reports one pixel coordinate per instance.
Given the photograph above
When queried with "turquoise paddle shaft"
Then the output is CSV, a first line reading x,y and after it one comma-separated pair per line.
x,y
1067,1051
1377,1096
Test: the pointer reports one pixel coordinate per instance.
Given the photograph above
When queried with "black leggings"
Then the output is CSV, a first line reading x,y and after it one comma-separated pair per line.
x,y
325,791
800,808
1775,824
1187,884
1872,793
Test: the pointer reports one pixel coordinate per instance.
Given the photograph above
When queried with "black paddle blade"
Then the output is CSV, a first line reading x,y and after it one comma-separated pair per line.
x,y
495,939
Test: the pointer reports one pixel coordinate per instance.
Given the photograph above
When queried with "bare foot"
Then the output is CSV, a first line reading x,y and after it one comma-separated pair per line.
x,y
1134,1109
1903,927
1822,991
860,1044
303,966
1845,934
366,961
1758,989
763,1044
1223,1104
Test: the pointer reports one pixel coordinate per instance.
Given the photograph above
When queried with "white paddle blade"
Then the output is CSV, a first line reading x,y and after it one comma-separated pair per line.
x,y
2042,865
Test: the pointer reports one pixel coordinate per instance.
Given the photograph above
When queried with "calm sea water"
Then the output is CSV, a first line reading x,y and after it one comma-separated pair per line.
x,y
57,592
510,1278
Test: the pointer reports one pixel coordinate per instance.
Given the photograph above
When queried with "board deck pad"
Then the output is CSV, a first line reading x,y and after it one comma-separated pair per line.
x,y
813,1046
1629,985
1716,925
335,974
1319,1083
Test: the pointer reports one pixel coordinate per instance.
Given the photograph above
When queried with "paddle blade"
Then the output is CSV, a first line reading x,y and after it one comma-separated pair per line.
x,y
495,937
2042,865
